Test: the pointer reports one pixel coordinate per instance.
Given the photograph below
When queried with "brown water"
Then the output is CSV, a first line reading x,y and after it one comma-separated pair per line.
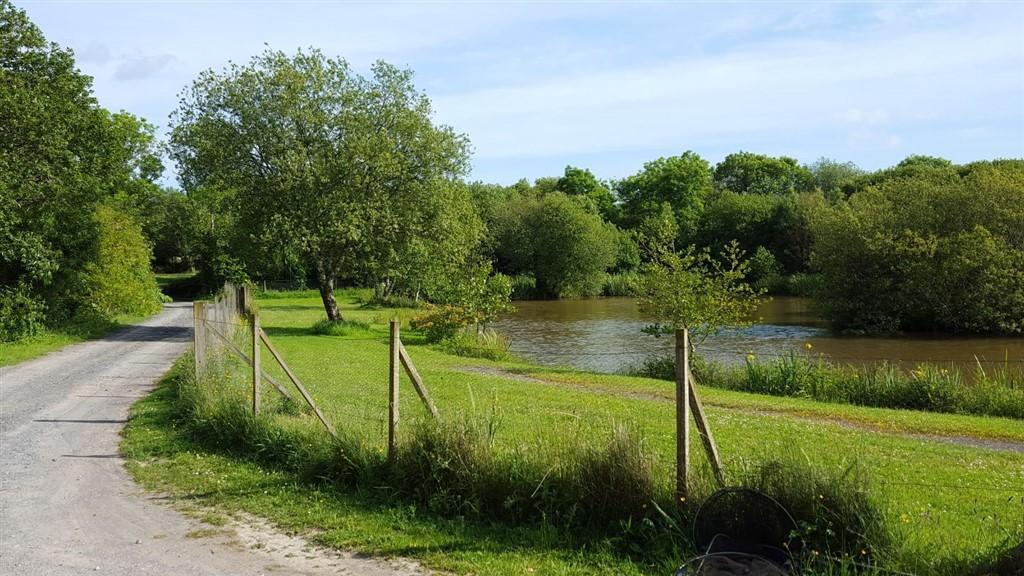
x,y
604,335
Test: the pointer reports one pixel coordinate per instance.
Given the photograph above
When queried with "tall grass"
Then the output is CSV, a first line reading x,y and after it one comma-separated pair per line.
x,y
594,487
623,284
993,392
473,343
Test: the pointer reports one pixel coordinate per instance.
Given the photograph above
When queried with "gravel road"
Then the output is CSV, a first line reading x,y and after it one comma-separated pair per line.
x,y
67,505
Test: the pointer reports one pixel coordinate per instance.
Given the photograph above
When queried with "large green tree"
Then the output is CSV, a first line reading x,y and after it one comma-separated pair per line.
x,y
565,246
928,247
749,173
61,156
680,181
582,182
348,172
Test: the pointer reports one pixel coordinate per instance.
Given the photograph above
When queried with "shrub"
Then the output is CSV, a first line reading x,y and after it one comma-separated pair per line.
x,y
441,322
622,284
834,513
443,465
487,343
119,280
524,287
21,315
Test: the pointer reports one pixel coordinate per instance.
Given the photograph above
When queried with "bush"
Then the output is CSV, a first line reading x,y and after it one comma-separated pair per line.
x,y
119,280
487,343
834,513
441,322
938,251
622,284
524,287
21,315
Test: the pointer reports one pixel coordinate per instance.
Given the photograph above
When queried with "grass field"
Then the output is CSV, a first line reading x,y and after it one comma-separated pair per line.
x,y
947,499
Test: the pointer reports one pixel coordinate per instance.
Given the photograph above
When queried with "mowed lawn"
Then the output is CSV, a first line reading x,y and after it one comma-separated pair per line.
x,y
947,496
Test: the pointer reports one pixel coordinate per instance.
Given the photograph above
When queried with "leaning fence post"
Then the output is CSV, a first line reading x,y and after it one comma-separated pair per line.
x,y
199,336
682,414
256,373
393,388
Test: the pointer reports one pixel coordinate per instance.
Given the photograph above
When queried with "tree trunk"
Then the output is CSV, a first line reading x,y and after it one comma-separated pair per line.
x,y
327,295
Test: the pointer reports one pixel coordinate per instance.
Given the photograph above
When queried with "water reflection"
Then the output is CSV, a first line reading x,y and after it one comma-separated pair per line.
x,y
605,335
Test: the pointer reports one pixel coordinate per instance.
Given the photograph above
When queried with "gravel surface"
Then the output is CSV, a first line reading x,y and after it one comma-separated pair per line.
x,y
67,505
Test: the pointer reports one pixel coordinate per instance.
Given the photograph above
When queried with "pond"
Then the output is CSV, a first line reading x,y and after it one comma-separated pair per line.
x,y
604,335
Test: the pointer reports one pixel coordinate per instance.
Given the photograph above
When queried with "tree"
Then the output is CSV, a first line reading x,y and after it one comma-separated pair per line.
x,y
566,247
835,179
61,156
697,292
681,181
933,252
348,172
582,182
749,173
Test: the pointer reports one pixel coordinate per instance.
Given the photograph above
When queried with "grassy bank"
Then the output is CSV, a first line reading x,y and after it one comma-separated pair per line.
x,y
945,504
995,391
52,339
57,337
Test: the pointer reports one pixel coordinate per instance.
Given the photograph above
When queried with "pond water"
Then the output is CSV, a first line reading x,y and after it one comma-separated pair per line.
x,y
604,335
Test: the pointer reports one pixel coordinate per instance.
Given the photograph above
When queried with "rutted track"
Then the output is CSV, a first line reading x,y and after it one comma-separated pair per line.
x,y
67,505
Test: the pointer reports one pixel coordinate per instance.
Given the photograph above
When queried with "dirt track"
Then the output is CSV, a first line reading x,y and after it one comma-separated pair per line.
x,y
67,505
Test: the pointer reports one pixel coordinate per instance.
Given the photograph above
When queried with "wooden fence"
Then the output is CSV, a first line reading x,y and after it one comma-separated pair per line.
x,y
230,324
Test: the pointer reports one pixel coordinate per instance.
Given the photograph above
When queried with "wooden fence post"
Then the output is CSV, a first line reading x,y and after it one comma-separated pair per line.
x,y
682,414
199,336
393,388
256,372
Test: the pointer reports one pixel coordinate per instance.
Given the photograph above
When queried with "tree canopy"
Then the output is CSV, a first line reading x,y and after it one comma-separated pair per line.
x,y
348,173
61,157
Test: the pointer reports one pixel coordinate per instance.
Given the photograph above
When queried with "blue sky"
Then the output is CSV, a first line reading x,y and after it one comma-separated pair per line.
x,y
606,85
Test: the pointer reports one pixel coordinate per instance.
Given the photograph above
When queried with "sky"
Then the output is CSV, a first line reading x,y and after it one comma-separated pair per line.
x,y
608,86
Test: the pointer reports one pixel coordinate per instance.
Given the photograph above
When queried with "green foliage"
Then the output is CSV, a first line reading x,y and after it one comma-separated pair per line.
x,y
524,287
554,238
347,175
487,343
942,250
697,292
475,297
118,280
835,513
765,270
749,173
995,392
624,284
21,315
582,182
680,181
836,180
61,155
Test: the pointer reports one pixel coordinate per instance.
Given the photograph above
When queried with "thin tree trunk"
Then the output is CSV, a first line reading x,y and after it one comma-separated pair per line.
x,y
327,295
